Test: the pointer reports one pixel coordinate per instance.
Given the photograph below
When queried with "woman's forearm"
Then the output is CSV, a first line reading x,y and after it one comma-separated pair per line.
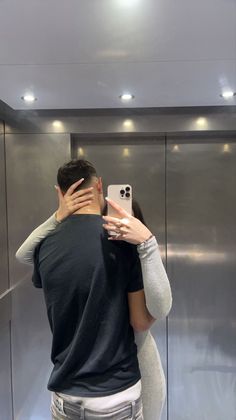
x,y
25,254
156,284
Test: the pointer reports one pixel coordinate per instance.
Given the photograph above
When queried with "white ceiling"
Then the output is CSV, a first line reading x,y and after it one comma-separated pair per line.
x,y
85,53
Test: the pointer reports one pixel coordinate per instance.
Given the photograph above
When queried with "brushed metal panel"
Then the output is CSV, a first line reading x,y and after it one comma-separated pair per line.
x,y
32,163
3,221
141,163
1,123
5,309
31,347
5,373
201,229
129,121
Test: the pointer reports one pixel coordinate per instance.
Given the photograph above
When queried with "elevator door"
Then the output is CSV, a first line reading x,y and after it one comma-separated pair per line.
x,y
201,238
139,162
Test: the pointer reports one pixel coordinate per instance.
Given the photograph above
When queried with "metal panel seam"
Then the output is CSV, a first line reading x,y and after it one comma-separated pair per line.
x,y
166,263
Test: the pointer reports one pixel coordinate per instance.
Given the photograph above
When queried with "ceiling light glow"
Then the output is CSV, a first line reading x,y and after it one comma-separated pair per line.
x,y
29,98
126,152
226,148
81,151
228,94
201,122
57,124
128,124
127,3
126,97
176,148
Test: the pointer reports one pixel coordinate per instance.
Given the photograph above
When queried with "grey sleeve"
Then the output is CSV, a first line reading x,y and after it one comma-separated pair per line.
x,y
25,254
156,284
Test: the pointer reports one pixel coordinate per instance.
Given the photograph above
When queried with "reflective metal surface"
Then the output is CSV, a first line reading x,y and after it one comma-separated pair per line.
x,y
126,121
5,298
139,162
201,232
32,163
5,373
200,229
3,221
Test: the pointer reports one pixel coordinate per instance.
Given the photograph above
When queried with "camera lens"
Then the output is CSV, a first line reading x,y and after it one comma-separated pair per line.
x,y
127,194
122,192
127,189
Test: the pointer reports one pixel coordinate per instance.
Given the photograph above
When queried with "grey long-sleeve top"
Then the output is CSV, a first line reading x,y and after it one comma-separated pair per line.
x,y
156,284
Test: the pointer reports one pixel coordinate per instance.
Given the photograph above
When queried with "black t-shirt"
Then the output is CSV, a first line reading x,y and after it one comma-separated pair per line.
x,y
85,279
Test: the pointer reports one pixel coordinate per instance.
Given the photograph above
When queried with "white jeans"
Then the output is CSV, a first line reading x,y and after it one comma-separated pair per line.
x,y
122,405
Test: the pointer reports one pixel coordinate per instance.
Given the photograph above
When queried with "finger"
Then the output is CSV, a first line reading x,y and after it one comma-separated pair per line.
x,y
82,192
115,238
116,207
123,229
82,199
80,205
125,221
72,188
111,219
112,228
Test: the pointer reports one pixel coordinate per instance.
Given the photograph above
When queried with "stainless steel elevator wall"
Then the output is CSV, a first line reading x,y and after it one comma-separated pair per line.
x,y
32,163
5,298
141,163
3,220
196,176
201,238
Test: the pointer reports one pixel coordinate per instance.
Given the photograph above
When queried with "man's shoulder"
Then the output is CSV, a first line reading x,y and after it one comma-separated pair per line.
x,y
48,239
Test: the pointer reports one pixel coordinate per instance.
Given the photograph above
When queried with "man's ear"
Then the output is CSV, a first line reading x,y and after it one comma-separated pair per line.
x,y
60,193
99,185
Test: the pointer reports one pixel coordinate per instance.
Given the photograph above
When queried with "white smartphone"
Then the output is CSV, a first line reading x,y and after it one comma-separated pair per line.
x,y
122,195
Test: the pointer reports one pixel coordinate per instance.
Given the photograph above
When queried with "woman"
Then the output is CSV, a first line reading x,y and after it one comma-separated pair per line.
x,y
156,284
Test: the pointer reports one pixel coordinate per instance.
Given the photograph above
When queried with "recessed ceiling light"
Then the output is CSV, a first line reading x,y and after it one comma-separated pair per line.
x,y
228,94
57,124
126,152
128,124
81,151
29,98
176,148
126,96
226,148
201,121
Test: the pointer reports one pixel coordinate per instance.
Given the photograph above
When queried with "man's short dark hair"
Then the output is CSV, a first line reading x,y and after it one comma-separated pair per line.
x,y
74,170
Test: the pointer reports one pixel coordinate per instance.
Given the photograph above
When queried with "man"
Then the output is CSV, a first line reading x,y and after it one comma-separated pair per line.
x,y
94,295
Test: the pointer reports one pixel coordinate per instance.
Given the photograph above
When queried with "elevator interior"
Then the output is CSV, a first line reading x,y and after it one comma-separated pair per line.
x,y
185,185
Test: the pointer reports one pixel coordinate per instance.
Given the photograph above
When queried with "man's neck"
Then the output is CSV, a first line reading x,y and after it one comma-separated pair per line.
x,y
95,209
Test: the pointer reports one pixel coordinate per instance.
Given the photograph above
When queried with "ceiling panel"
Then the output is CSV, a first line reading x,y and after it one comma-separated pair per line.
x,y
84,53
156,84
56,31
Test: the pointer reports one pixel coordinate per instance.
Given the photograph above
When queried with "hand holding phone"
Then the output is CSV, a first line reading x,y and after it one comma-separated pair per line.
x,y
122,195
126,227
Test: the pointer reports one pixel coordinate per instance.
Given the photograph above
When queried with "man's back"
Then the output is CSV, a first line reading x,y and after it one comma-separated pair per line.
x,y
86,279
